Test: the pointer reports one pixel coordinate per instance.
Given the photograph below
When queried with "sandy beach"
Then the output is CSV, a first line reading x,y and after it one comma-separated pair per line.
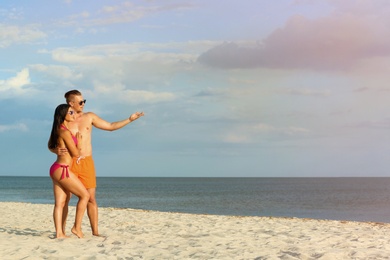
x,y
27,232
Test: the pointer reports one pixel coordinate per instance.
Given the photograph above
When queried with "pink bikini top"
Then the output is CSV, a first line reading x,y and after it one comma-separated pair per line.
x,y
73,137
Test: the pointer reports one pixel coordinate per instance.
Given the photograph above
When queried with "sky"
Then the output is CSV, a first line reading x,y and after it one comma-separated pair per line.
x,y
254,88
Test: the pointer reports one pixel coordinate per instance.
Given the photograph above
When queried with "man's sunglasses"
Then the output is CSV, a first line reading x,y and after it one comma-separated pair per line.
x,y
82,102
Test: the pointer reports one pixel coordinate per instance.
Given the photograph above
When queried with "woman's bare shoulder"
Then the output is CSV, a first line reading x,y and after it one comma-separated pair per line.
x,y
63,132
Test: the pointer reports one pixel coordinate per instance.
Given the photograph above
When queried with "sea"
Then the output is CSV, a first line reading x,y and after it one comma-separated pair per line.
x,y
352,199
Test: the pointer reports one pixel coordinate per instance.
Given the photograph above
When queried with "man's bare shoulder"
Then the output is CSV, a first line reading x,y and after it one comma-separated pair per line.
x,y
91,115
88,115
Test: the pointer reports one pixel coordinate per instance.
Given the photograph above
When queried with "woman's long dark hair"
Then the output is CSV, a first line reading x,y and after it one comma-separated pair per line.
x,y
59,118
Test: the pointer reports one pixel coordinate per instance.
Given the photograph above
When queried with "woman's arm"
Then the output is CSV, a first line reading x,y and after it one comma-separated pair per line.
x,y
59,150
69,143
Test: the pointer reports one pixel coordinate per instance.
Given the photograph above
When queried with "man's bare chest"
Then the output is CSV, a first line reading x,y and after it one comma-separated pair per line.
x,y
81,127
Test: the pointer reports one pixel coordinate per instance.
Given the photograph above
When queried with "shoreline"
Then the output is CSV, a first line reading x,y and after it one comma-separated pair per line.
x,y
27,231
72,205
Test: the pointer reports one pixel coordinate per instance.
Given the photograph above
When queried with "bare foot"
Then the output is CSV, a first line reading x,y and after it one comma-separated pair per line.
x,y
99,235
61,236
78,233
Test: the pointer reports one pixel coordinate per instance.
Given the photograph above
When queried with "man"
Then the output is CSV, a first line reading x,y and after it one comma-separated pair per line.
x,y
84,167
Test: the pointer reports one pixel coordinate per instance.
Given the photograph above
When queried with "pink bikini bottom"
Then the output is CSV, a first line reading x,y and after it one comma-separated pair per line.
x,y
65,171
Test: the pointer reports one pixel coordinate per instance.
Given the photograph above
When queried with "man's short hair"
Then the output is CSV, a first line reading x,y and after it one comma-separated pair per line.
x,y
68,95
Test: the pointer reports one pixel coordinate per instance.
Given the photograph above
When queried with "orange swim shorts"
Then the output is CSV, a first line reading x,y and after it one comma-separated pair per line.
x,y
85,171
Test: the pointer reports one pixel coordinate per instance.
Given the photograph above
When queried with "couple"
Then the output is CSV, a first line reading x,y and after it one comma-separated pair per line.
x,y
73,171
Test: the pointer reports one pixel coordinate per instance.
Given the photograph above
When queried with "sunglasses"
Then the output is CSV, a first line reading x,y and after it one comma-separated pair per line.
x,y
82,102
71,113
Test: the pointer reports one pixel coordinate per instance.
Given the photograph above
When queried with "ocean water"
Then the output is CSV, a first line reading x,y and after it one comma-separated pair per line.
x,y
356,199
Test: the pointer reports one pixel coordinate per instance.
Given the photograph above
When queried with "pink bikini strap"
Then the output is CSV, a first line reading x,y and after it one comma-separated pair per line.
x,y
64,171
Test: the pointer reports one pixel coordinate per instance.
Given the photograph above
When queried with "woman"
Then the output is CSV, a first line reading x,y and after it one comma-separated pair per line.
x,y
65,181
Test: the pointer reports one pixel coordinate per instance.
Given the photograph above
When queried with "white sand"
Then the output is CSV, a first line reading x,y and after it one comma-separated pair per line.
x,y
27,231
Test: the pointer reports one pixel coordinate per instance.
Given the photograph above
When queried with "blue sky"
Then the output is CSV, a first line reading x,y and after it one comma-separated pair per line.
x,y
287,88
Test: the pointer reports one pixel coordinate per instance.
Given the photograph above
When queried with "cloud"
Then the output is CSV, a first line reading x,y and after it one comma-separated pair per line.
x,y
119,93
141,96
375,124
289,130
338,41
125,12
236,138
136,52
10,34
57,71
305,92
361,7
231,56
78,56
210,93
137,72
11,14
136,66
14,127
15,86
259,132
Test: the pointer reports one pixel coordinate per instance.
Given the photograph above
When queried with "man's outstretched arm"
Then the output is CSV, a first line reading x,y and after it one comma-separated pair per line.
x,y
104,125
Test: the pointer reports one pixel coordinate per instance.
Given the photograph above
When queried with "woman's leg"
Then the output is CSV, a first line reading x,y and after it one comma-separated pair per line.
x,y
73,185
65,210
59,202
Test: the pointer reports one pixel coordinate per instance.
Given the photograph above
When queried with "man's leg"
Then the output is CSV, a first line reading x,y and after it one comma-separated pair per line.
x,y
85,169
92,210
